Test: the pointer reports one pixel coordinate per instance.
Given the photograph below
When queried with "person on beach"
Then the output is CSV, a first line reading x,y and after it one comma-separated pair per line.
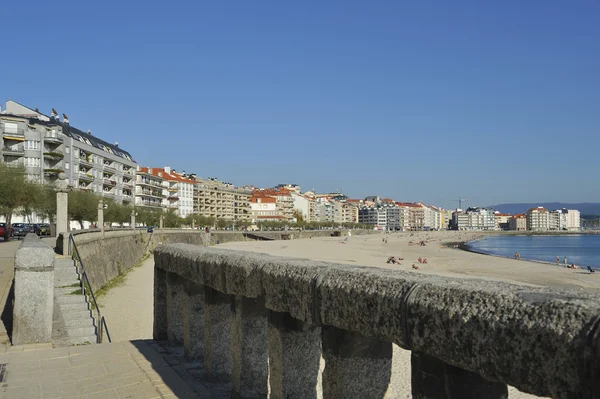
x,y
565,260
557,260
516,253
415,267
391,259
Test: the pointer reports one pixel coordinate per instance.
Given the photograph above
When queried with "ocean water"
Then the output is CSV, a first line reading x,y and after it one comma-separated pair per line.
x,y
583,250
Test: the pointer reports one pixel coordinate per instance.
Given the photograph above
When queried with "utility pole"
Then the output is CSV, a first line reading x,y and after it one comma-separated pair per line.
x,y
460,201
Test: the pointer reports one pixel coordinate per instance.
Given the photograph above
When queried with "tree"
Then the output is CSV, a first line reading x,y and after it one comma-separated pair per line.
x,y
117,212
14,192
299,216
222,223
83,205
46,205
171,219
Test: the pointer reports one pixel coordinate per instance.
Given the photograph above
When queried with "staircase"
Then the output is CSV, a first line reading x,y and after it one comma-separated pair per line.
x,y
74,307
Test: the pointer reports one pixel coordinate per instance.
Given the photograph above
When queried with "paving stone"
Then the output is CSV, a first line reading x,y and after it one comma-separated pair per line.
x,y
142,390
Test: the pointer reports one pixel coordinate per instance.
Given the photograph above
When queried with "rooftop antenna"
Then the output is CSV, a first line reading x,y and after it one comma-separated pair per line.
x,y
460,201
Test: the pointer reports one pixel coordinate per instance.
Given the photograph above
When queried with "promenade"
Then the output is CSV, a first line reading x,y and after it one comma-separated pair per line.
x,y
127,368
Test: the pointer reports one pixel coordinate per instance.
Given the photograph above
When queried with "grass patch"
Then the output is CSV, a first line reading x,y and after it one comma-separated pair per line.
x,y
117,281
76,292
70,286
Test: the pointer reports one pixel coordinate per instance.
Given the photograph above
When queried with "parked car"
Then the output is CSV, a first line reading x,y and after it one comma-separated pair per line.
x,y
41,229
20,230
3,229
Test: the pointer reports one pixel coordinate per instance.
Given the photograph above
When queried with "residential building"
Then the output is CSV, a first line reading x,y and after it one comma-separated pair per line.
x,y
539,219
285,201
565,219
264,208
221,200
180,192
518,222
151,188
46,146
474,219
303,204
502,220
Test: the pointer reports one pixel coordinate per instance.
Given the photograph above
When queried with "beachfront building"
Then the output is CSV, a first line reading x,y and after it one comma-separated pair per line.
x,y
220,200
303,205
285,201
565,219
180,192
518,222
151,188
539,219
502,220
46,146
474,219
264,208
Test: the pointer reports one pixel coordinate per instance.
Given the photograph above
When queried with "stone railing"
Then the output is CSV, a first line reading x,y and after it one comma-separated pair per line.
x,y
34,292
267,324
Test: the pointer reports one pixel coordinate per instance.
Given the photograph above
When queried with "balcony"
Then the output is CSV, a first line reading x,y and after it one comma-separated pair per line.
x,y
52,171
56,155
152,183
109,167
86,176
150,193
14,150
52,138
18,134
108,193
173,198
108,182
153,204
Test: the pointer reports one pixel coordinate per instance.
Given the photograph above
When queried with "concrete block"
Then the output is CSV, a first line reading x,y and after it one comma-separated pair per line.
x,y
249,349
218,317
34,292
160,302
355,366
175,308
294,356
193,320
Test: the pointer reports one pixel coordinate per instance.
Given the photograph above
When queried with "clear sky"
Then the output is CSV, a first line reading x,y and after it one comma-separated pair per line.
x,y
496,101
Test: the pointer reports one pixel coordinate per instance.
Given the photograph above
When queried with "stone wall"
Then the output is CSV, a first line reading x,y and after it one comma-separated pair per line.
x,y
259,320
119,250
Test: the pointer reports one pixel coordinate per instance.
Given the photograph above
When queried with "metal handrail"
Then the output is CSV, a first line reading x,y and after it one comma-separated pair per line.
x,y
101,327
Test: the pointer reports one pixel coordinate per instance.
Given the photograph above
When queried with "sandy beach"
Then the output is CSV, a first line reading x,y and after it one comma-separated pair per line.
x,y
442,260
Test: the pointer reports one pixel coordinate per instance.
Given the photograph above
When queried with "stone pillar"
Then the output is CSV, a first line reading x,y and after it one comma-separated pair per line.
x,y
355,366
34,292
193,320
217,335
161,221
101,217
249,349
133,215
432,378
193,223
175,305
62,216
160,305
294,356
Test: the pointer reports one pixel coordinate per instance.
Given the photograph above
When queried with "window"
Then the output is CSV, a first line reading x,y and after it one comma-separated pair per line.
x,y
33,162
10,127
75,168
32,145
67,150
66,165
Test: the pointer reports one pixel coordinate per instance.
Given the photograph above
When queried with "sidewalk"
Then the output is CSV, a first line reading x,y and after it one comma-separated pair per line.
x,y
133,369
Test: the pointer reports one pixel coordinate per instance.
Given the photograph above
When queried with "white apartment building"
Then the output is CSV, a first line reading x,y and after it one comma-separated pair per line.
x,y
180,192
46,146
566,219
264,208
302,204
151,188
539,219
518,222
474,219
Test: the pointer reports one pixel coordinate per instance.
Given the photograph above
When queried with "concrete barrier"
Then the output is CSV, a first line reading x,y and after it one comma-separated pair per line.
x,y
34,292
269,320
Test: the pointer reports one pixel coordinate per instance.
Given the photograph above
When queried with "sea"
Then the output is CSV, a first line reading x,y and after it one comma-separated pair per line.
x,y
583,250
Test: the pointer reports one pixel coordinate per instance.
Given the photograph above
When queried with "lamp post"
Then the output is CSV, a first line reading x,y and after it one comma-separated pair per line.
x,y
133,215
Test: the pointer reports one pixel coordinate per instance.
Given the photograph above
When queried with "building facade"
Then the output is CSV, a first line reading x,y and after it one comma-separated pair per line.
x,y
151,188
518,222
539,219
46,146
474,219
219,200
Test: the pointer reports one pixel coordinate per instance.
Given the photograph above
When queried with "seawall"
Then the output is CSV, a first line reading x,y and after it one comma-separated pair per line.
x,y
119,250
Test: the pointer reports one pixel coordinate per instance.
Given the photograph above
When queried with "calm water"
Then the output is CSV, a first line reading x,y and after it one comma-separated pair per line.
x,y
583,250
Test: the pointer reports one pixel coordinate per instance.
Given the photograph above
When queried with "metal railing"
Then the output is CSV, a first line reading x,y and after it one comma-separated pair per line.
x,y
101,326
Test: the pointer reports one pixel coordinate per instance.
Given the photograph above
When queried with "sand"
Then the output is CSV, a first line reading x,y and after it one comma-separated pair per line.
x,y
371,251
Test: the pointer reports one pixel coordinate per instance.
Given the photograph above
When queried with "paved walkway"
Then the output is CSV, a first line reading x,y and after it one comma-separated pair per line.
x,y
136,369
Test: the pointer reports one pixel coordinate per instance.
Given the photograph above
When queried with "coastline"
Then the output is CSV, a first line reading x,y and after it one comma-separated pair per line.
x,y
444,258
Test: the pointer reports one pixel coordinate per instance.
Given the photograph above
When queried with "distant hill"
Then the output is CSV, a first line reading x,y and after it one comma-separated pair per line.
x,y
586,208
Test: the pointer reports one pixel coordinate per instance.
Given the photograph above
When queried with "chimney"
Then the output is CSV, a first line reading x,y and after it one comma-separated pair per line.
x,y
117,144
90,132
168,169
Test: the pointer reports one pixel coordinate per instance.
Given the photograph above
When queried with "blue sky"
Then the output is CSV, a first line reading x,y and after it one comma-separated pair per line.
x,y
496,101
